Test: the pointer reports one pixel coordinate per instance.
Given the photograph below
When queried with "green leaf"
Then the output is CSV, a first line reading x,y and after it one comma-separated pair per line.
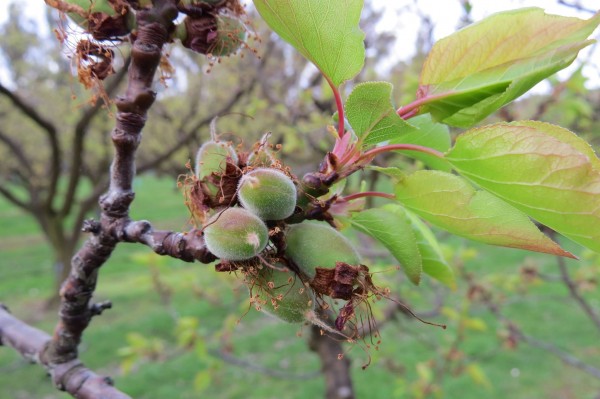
x,y
394,231
374,120
372,116
475,71
427,134
325,32
434,263
391,171
450,203
544,170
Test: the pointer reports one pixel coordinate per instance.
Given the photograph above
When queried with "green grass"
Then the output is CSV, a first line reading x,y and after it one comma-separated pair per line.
x,y
260,342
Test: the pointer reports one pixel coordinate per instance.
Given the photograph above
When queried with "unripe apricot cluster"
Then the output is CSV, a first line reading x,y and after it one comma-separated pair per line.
x,y
239,233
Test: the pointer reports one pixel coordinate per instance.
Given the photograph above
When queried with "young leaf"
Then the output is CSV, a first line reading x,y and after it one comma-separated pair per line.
x,y
450,203
544,170
477,70
372,116
394,231
434,263
325,32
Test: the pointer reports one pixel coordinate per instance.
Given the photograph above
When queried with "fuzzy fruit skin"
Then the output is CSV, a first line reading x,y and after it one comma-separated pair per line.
x,y
314,244
211,157
231,33
268,193
297,299
235,234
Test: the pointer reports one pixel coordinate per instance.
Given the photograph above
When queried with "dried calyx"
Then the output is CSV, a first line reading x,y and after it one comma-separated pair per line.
x,y
217,35
103,19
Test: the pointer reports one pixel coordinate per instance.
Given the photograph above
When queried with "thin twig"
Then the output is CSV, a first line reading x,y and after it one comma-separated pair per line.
x,y
574,292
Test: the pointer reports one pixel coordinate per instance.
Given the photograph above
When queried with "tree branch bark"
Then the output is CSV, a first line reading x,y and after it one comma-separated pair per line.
x,y
78,150
338,380
72,376
77,290
574,292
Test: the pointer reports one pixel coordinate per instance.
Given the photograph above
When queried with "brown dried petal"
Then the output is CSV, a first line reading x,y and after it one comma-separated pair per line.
x,y
201,33
105,27
340,291
322,280
225,267
345,273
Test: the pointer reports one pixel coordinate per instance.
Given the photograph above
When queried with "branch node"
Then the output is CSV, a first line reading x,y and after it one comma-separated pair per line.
x,y
91,226
96,309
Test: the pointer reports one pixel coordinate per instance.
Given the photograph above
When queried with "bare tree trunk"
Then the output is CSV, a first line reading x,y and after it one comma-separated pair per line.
x,y
336,370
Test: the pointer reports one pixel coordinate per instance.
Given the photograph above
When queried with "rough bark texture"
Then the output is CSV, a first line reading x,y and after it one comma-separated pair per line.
x,y
59,353
77,290
72,376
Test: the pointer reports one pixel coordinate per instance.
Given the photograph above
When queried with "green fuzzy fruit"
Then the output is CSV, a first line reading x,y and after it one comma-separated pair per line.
x,y
283,295
231,33
212,157
313,244
268,193
235,234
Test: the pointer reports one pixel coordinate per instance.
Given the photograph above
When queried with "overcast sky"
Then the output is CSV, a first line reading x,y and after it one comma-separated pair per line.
x,y
400,17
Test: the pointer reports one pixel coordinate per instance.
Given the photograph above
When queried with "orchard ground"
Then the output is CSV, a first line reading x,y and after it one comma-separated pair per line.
x,y
264,357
